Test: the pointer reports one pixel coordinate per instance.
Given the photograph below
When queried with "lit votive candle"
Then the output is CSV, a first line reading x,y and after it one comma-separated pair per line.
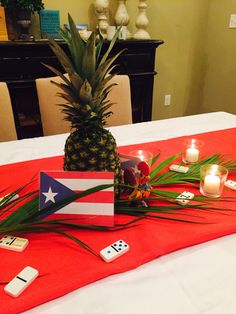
x,y
142,155
212,179
211,184
192,154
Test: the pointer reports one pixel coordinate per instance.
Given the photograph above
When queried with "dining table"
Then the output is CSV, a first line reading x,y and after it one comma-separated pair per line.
x,y
195,279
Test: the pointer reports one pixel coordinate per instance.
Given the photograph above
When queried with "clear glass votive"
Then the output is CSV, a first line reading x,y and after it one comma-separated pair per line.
x,y
192,151
143,155
212,179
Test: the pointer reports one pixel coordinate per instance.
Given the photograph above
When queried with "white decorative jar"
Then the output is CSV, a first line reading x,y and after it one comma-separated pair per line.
x,y
122,17
142,22
101,10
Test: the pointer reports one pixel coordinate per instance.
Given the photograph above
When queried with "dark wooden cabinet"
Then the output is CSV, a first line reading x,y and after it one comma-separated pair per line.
x,y
21,64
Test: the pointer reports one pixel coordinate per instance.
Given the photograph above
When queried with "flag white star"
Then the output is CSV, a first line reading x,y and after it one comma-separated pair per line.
x,y
49,195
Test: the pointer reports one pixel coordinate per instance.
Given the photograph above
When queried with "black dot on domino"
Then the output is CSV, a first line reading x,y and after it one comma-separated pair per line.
x,y
108,251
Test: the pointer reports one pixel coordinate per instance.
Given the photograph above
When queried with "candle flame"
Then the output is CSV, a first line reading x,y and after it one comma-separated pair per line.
x,y
142,155
214,170
193,143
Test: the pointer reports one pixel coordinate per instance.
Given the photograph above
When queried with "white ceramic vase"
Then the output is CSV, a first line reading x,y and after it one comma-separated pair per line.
x,y
101,10
122,16
142,22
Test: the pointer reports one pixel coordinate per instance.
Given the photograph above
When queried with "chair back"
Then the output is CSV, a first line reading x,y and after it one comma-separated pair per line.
x,y
50,111
121,97
52,117
7,122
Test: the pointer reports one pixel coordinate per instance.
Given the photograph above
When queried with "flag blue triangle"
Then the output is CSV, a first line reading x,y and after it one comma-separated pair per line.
x,y
59,190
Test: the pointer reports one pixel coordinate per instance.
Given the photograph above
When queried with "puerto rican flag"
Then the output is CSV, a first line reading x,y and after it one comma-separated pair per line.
x,y
94,209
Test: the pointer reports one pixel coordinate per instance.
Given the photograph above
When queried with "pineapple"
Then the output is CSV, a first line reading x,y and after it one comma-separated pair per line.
x,y
89,147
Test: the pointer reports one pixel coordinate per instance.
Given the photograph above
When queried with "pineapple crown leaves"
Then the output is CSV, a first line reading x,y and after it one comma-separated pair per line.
x,y
86,92
66,89
89,59
84,87
84,55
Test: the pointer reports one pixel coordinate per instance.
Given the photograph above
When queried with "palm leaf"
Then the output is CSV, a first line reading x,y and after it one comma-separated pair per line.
x,y
154,159
161,166
27,218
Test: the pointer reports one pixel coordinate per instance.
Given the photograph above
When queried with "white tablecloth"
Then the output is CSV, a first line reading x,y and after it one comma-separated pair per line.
x,y
197,280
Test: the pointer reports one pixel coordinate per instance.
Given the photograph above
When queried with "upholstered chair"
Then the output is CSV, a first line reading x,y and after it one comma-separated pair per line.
x,y
52,117
7,123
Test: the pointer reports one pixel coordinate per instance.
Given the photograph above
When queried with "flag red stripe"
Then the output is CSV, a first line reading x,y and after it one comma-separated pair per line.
x,y
80,175
97,197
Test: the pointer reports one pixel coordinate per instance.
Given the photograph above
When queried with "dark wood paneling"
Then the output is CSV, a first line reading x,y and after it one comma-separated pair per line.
x,y
21,64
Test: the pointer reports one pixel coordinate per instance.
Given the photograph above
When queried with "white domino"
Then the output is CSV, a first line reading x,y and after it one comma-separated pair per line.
x,y
184,197
114,250
13,243
13,198
18,284
231,184
178,168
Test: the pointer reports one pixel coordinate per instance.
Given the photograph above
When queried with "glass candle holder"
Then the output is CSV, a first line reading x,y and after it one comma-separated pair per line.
x,y
212,179
192,151
143,155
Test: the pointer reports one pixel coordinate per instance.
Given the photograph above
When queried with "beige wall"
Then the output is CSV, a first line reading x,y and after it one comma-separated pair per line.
x,y
181,24
196,64
219,91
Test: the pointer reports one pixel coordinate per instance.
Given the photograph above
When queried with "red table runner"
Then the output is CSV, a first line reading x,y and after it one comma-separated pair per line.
x,y
64,266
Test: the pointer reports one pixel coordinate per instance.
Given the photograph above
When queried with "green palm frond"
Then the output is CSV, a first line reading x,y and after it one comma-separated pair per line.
x,y
193,175
26,218
161,166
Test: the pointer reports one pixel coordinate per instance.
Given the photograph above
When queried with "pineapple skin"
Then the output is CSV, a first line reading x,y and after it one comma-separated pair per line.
x,y
92,150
